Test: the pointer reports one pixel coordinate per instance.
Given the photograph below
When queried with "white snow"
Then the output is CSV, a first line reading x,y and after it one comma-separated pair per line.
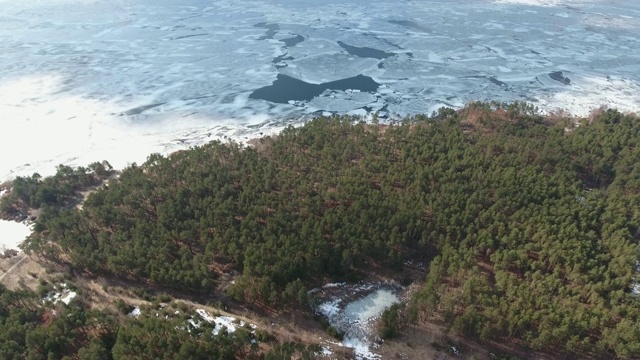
x,y
333,285
455,351
63,294
325,351
66,298
635,283
205,315
229,322
135,312
12,234
361,347
225,321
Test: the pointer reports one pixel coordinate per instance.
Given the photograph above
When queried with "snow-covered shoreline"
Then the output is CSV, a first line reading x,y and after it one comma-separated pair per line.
x,y
84,81
126,146
12,234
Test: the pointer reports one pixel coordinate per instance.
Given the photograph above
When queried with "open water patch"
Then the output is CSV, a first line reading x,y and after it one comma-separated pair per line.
x,y
286,88
559,77
365,52
140,109
293,41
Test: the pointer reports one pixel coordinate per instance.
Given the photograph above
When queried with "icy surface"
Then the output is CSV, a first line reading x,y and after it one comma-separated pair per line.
x,y
87,80
12,234
370,307
355,318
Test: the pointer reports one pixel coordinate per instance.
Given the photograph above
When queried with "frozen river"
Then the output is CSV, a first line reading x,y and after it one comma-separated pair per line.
x,y
87,80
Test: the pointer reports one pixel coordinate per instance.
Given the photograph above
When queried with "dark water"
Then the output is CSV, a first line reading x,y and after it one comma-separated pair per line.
x,y
290,42
140,109
287,88
559,77
365,52
272,30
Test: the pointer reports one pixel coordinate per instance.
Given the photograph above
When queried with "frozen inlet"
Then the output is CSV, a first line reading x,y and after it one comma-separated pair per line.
x,y
355,317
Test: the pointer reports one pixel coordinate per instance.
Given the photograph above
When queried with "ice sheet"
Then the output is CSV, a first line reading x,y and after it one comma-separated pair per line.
x,y
83,80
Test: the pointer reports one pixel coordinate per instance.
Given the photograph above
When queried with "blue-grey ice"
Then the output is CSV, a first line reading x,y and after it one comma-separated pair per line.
x,y
87,80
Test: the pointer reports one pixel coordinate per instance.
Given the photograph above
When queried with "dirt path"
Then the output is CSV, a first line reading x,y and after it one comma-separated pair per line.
x,y
23,270
23,257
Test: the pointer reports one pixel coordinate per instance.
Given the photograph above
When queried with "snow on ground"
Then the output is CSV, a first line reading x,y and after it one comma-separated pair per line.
x,y
225,321
325,351
66,298
635,283
221,321
116,81
333,285
61,294
135,312
12,234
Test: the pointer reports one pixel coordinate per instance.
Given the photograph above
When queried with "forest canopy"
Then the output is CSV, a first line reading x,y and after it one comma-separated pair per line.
x,y
529,223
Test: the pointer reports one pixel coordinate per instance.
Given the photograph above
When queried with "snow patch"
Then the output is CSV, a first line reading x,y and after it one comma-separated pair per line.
x,y
333,285
135,312
325,351
635,283
225,321
62,294
12,234
220,322
66,298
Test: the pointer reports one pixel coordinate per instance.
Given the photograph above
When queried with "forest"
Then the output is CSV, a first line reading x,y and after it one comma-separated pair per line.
x,y
529,223
33,329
